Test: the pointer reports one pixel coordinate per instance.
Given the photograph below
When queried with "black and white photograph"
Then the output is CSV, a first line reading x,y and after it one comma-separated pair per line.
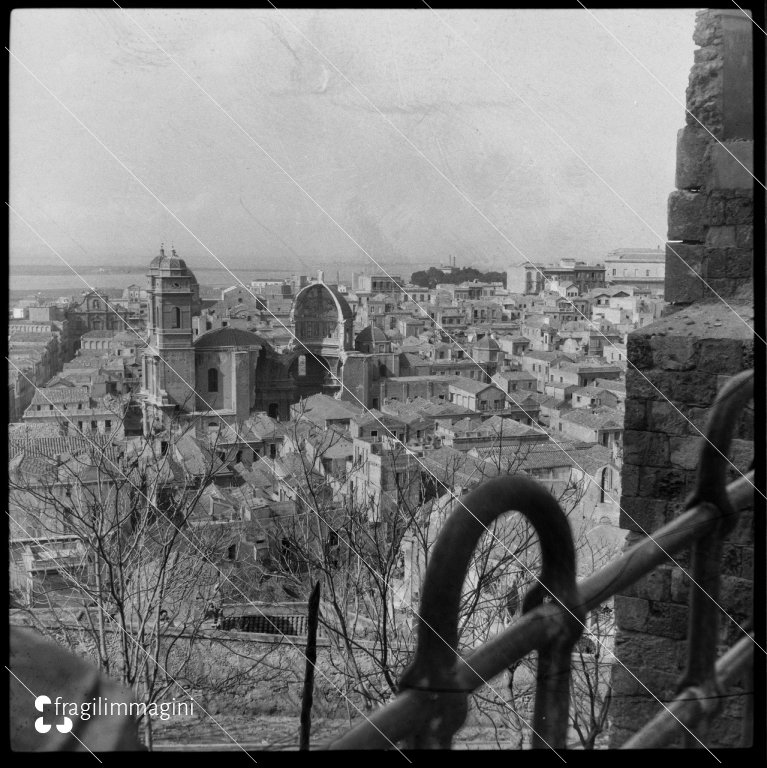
x,y
384,379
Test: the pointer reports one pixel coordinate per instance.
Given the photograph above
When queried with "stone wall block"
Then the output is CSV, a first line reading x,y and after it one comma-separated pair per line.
x,y
667,620
747,360
635,648
716,207
647,384
685,216
633,612
729,165
720,237
704,96
674,353
662,483
737,595
655,585
691,145
739,210
717,261
744,236
671,418
685,452
731,559
741,455
684,263
635,414
629,480
746,565
718,288
642,515
639,351
740,264
649,449
719,356
743,532
693,387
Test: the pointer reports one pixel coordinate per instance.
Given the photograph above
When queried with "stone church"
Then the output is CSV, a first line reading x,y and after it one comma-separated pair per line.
x,y
225,374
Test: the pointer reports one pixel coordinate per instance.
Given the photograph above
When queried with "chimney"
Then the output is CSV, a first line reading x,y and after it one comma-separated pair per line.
x,y
321,275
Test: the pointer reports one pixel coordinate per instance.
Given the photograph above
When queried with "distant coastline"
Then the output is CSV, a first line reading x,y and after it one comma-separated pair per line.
x,y
56,279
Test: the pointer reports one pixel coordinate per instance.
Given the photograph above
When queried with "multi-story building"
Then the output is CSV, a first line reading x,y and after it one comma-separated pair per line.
x,y
389,284
640,267
530,277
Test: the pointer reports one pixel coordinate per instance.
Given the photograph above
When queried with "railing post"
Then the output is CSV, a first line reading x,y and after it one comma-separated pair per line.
x,y
711,489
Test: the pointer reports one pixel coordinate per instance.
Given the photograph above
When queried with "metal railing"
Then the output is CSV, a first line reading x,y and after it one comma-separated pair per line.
x,y
433,699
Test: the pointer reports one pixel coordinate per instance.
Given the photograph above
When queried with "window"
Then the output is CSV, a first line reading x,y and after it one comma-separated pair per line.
x,y
175,317
373,433
94,425
108,424
212,380
272,450
647,273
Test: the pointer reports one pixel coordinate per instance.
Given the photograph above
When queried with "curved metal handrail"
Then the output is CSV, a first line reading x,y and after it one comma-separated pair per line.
x,y
434,667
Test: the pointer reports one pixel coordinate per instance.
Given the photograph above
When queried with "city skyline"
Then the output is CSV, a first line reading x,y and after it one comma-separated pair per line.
x,y
394,136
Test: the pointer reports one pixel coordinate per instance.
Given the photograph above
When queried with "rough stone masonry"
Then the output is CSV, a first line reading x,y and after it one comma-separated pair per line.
x,y
703,338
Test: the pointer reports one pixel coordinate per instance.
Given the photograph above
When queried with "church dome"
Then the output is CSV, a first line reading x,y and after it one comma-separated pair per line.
x,y
227,338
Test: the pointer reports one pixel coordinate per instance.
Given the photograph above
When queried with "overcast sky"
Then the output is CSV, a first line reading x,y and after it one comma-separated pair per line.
x,y
414,134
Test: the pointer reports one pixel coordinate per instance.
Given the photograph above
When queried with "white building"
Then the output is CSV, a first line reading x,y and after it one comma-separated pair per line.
x,y
640,267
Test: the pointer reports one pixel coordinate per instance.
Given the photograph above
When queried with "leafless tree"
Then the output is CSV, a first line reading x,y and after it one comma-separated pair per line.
x,y
370,551
112,555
